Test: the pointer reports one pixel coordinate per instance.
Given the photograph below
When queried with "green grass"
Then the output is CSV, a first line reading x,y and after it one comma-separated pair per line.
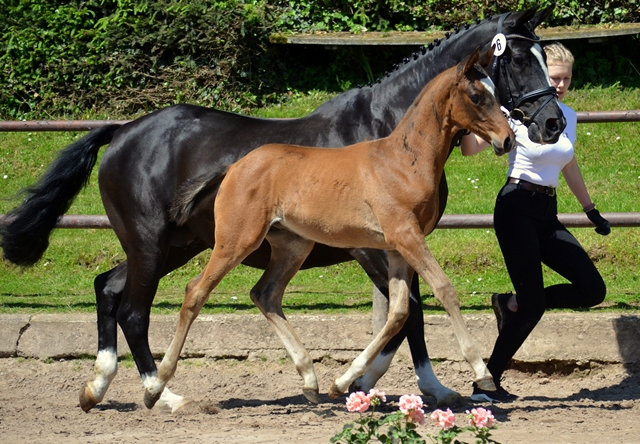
x,y
609,158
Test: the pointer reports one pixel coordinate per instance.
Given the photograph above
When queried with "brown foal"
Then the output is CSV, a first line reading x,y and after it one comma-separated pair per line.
x,y
376,194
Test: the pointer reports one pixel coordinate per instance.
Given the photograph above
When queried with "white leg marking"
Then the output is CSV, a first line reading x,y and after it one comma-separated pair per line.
x,y
152,384
105,369
378,368
169,400
430,385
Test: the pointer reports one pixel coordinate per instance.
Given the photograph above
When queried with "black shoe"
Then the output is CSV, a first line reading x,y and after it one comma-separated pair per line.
x,y
499,395
499,303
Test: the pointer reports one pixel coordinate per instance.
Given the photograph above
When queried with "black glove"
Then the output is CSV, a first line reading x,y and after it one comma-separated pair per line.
x,y
602,225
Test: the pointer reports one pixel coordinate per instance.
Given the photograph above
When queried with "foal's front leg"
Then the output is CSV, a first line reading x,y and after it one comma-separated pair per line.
x,y
422,260
400,274
196,296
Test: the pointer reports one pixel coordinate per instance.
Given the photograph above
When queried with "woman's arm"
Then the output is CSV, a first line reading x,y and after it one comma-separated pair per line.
x,y
573,176
472,144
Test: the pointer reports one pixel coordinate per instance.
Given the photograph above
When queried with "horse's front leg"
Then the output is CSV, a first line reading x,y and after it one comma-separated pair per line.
x,y
288,252
422,260
400,277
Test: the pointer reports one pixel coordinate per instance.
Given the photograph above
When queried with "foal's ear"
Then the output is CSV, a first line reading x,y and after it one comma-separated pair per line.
x,y
485,57
469,62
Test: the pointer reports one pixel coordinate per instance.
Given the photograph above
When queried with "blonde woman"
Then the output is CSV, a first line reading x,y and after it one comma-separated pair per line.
x,y
530,234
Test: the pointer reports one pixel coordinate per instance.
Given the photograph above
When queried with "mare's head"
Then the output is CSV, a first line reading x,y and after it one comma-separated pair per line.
x,y
474,105
520,73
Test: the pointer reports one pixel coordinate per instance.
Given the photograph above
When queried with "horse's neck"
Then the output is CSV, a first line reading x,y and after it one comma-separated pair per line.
x,y
389,99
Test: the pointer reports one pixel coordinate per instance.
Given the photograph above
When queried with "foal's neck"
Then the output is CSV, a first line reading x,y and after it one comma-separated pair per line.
x,y
427,127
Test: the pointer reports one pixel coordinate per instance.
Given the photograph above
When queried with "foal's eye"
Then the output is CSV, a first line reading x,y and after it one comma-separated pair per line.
x,y
474,98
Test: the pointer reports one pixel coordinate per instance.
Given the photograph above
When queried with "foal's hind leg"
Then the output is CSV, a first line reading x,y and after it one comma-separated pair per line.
x,y
401,274
288,252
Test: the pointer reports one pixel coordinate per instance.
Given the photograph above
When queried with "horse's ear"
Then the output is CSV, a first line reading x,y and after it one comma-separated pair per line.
x,y
522,17
541,16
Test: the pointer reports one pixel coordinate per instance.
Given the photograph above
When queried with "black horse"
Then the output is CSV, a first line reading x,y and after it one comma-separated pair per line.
x,y
150,158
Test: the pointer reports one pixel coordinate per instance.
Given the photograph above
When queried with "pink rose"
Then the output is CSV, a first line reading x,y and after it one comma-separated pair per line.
x,y
409,403
416,416
481,418
445,419
375,393
358,402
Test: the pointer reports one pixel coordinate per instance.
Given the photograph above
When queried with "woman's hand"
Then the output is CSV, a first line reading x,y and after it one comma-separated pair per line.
x,y
602,225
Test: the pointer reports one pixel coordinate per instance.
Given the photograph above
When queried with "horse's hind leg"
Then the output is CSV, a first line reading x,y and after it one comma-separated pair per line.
x,y
401,275
288,252
108,287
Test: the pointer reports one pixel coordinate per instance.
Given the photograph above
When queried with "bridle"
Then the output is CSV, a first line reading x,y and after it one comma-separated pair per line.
x,y
501,66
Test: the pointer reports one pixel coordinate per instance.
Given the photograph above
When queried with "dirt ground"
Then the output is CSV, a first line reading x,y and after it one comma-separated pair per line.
x,y
261,403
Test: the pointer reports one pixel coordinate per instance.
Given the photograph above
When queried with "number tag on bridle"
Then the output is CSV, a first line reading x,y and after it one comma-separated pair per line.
x,y
500,42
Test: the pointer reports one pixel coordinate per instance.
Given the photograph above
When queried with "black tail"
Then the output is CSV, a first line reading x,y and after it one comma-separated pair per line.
x,y
192,193
26,236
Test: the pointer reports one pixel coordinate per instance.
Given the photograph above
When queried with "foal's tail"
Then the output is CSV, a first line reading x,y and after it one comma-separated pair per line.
x,y
193,191
25,237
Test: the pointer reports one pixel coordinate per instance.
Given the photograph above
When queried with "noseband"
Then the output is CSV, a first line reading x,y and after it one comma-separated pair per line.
x,y
501,65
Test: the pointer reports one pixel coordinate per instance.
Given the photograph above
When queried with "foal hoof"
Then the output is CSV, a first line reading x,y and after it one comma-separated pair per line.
x,y
312,395
486,383
150,400
334,391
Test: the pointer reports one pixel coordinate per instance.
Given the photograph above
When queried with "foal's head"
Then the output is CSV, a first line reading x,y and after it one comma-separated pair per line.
x,y
474,105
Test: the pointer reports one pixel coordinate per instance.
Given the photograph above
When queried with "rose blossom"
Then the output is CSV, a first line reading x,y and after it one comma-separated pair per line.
x,y
445,419
416,416
375,393
358,402
410,402
481,417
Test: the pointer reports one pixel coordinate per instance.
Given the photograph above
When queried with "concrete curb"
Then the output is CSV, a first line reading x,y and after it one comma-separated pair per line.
x,y
560,337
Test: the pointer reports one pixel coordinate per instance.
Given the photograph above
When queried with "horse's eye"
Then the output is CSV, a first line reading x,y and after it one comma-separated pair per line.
x,y
474,98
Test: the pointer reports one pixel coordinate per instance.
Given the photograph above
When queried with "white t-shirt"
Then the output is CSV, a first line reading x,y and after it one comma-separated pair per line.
x,y
541,164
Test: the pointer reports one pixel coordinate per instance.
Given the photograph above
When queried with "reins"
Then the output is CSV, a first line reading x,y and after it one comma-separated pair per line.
x,y
501,66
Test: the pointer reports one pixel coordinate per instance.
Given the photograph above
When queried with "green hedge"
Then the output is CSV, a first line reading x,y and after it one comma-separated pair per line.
x,y
410,15
118,58
69,57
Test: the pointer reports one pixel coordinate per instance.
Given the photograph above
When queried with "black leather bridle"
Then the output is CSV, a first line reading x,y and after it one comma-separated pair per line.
x,y
501,66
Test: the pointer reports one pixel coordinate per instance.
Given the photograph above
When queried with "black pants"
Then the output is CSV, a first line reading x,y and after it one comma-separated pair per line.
x,y
530,234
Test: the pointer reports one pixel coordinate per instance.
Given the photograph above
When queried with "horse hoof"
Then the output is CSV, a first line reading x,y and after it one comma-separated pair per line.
x,y
150,400
486,383
87,400
453,399
334,391
312,395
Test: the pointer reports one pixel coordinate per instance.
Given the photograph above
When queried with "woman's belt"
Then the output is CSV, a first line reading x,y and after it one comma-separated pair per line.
x,y
523,184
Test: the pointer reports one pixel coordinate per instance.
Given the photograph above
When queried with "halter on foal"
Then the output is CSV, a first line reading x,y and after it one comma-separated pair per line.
x,y
379,194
